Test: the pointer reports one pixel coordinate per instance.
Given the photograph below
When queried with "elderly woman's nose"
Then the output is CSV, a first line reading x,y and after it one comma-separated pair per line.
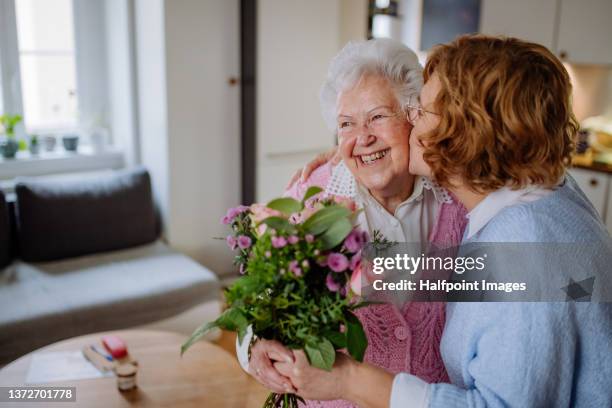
x,y
365,138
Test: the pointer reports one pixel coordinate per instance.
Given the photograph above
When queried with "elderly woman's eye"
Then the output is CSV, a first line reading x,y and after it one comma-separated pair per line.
x,y
378,116
343,125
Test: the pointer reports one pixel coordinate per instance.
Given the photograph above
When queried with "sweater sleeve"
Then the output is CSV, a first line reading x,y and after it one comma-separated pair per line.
x,y
523,354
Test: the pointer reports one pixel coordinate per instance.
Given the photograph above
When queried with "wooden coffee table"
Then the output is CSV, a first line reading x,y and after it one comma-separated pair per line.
x,y
206,376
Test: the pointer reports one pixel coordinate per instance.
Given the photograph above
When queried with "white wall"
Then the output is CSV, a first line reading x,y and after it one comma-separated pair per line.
x,y
296,40
189,119
202,52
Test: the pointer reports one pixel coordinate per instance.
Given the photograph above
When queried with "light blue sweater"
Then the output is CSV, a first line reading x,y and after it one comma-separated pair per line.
x,y
533,354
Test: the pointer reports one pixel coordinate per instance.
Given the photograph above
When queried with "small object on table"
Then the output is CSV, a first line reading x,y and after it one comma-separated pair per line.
x,y
98,359
115,346
126,376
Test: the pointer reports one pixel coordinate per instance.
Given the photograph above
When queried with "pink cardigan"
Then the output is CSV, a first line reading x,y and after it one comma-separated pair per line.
x,y
406,340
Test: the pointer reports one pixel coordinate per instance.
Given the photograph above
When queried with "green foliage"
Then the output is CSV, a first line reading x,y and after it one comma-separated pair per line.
x,y
286,205
321,354
356,340
9,122
336,233
312,191
322,220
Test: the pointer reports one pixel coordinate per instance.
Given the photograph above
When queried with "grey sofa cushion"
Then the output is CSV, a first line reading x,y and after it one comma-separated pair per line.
x,y
5,233
62,218
46,302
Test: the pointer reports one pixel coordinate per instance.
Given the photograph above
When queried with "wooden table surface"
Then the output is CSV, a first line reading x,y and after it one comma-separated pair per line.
x,y
206,376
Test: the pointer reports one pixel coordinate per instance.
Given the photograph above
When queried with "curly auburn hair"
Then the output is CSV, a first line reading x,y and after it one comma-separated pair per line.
x,y
506,116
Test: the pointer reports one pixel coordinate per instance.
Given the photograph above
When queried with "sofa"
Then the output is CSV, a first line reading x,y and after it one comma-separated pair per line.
x,y
84,255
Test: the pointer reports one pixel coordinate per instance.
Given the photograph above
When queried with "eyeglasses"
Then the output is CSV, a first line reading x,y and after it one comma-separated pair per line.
x,y
375,122
416,112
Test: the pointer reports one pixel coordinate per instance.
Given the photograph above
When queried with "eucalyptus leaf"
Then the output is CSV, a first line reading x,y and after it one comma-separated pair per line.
x,y
321,355
312,191
285,205
336,233
323,219
356,340
197,335
279,224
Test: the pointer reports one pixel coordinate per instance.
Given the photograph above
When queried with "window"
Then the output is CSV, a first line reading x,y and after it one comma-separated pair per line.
x,y
45,32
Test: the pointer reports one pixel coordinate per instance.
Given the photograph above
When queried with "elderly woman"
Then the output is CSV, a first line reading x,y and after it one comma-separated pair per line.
x,y
364,99
495,127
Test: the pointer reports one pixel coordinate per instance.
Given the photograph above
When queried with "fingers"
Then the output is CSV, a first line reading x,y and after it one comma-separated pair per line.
x,y
262,355
266,374
276,351
294,179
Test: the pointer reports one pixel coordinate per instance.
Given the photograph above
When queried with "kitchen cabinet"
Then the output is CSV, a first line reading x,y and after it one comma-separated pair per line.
x,y
597,187
526,19
585,31
577,31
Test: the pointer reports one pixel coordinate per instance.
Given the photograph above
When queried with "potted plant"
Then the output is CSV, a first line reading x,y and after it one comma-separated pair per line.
x,y
9,146
34,145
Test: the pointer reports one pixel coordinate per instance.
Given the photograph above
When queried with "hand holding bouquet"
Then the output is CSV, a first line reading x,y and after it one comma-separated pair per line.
x,y
300,262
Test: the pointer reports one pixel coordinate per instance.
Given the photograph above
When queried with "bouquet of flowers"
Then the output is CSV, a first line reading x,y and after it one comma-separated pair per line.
x,y
300,265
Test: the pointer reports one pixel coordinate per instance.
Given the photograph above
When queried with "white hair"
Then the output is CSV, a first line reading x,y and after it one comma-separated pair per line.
x,y
385,57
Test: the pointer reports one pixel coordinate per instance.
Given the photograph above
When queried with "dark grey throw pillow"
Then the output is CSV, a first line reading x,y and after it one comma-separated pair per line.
x,y
63,218
5,233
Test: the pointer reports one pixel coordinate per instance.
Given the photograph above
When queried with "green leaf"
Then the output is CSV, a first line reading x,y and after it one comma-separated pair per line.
x,y
312,191
336,233
285,205
197,335
337,339
279,224
321,355
323,219
356,340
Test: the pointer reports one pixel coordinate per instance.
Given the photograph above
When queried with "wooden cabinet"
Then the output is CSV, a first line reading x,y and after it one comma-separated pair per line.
x,y
577,31
597,187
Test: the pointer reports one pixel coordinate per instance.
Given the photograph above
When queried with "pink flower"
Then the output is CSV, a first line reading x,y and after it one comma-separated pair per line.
x,y
356,281
242,269
244,242
293,267
354,242
293,239
337,262
331,284
355,261
309,238
268,254
233,213
305,263
231,242
279,242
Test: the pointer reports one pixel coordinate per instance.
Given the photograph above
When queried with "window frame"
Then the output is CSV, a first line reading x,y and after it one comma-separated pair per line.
x,y
90,58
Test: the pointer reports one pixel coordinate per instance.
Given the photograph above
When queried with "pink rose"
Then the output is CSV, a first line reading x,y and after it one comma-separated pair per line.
x,y
356,280
293,239
355,261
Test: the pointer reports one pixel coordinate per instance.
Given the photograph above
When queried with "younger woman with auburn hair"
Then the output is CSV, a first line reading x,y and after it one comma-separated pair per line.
x,y
495,127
